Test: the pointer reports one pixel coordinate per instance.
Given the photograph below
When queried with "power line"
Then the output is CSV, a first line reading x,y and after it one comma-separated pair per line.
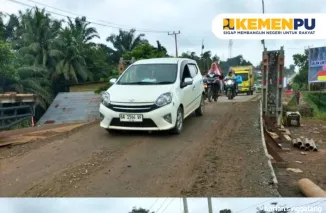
x,y
307,204
95,23
161,205
319,203
254,205
111,23
153,205
167,205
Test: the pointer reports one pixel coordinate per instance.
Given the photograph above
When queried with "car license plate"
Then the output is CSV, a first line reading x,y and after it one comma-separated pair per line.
x,y
131,118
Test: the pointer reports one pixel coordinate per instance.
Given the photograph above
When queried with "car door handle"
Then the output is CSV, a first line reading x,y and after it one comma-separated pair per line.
x,y
194,87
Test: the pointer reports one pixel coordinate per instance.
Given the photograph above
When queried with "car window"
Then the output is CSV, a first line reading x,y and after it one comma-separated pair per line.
x,y
186,72
193,70
148,74
244,76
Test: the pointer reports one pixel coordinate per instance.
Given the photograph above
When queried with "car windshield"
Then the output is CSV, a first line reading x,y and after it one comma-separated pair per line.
x,y
244,76
149,74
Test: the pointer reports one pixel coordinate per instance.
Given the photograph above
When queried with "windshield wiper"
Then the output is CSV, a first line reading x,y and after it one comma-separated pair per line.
x,y
135,83
146,83
165,82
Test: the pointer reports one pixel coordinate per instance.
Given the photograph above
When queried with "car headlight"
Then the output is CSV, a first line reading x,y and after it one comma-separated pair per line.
x,y
164,99
105,99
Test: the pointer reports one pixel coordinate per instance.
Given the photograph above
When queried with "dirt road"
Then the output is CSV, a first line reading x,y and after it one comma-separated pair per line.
x,y
219,154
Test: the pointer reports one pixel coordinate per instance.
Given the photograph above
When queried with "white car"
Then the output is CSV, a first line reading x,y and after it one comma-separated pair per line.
x,y
153,94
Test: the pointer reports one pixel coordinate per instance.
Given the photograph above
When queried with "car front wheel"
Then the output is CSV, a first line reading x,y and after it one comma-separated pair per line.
x,y
179,122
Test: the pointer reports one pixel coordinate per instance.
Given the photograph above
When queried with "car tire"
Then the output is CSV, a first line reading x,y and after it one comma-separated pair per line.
x,y
178,123
200,110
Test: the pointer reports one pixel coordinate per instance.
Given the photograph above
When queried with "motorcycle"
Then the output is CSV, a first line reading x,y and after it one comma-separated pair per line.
x,y
229,88
212,86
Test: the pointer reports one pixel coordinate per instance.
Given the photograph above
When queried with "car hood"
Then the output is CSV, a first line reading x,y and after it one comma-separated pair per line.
x,y
137,93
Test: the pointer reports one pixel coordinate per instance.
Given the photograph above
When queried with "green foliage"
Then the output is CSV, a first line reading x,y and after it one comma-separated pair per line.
x,y
8,71
226,211
145,51
317,101
289,71
301,61
140,210
207,59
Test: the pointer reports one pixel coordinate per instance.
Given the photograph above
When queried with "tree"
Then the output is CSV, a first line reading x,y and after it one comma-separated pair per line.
x,y
28,80
145,51
99,62
124,42
289,71
71,62
226,211
301,61
8,71
140,210
37,39
235,61
81,30
206,57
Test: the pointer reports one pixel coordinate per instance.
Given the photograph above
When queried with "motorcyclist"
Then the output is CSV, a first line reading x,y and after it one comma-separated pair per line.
x,y
231,76
238,80
215,70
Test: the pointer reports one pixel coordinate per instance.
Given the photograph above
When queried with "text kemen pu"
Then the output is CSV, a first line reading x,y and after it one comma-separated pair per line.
x,y
268,24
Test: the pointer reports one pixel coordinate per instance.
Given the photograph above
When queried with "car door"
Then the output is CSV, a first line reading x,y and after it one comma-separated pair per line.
x,y
197,86
186,92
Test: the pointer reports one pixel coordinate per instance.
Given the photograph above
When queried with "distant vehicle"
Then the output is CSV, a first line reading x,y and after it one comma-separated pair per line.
x,y
258,88
153,94
246,72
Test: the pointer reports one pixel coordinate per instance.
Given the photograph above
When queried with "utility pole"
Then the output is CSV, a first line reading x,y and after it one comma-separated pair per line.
x,y
185,205
230,48
263,5
176,41
210,208
202,48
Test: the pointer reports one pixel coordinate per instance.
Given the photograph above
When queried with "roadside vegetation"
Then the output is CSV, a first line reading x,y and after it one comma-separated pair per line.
x,y
43,55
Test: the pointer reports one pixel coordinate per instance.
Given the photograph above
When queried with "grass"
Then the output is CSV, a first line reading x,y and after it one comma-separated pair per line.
x,y
318,103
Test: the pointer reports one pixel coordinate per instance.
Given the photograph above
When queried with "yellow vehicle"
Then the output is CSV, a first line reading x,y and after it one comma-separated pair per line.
x,y
247,74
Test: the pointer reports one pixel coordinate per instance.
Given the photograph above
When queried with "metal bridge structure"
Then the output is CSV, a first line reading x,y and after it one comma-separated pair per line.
x,y
14,108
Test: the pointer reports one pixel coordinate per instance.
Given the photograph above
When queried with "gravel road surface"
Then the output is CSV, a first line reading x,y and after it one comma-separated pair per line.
x,y
218,154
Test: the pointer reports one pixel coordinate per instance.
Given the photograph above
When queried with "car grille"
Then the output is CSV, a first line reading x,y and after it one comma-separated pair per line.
x,y
132,108
147,122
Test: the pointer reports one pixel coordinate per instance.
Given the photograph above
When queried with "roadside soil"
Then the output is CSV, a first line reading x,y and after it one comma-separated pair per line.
x,y
313,164
218,154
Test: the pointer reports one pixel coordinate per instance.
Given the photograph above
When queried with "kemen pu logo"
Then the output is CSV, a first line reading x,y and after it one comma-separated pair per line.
x,y
269,26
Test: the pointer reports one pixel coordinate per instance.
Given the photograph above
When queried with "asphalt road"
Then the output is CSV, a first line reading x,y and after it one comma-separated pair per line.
x,y
218,154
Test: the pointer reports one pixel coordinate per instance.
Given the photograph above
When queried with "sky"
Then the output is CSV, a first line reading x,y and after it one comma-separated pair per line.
x,y
158,205
192,17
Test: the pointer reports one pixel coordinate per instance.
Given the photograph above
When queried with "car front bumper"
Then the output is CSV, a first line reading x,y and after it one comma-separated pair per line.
x,y
152,121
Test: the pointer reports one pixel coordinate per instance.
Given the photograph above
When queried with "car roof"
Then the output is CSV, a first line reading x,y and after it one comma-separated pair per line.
x,y
163,61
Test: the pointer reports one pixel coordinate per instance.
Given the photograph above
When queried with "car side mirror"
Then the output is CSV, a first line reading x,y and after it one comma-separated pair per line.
x,y
187,82
113,80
